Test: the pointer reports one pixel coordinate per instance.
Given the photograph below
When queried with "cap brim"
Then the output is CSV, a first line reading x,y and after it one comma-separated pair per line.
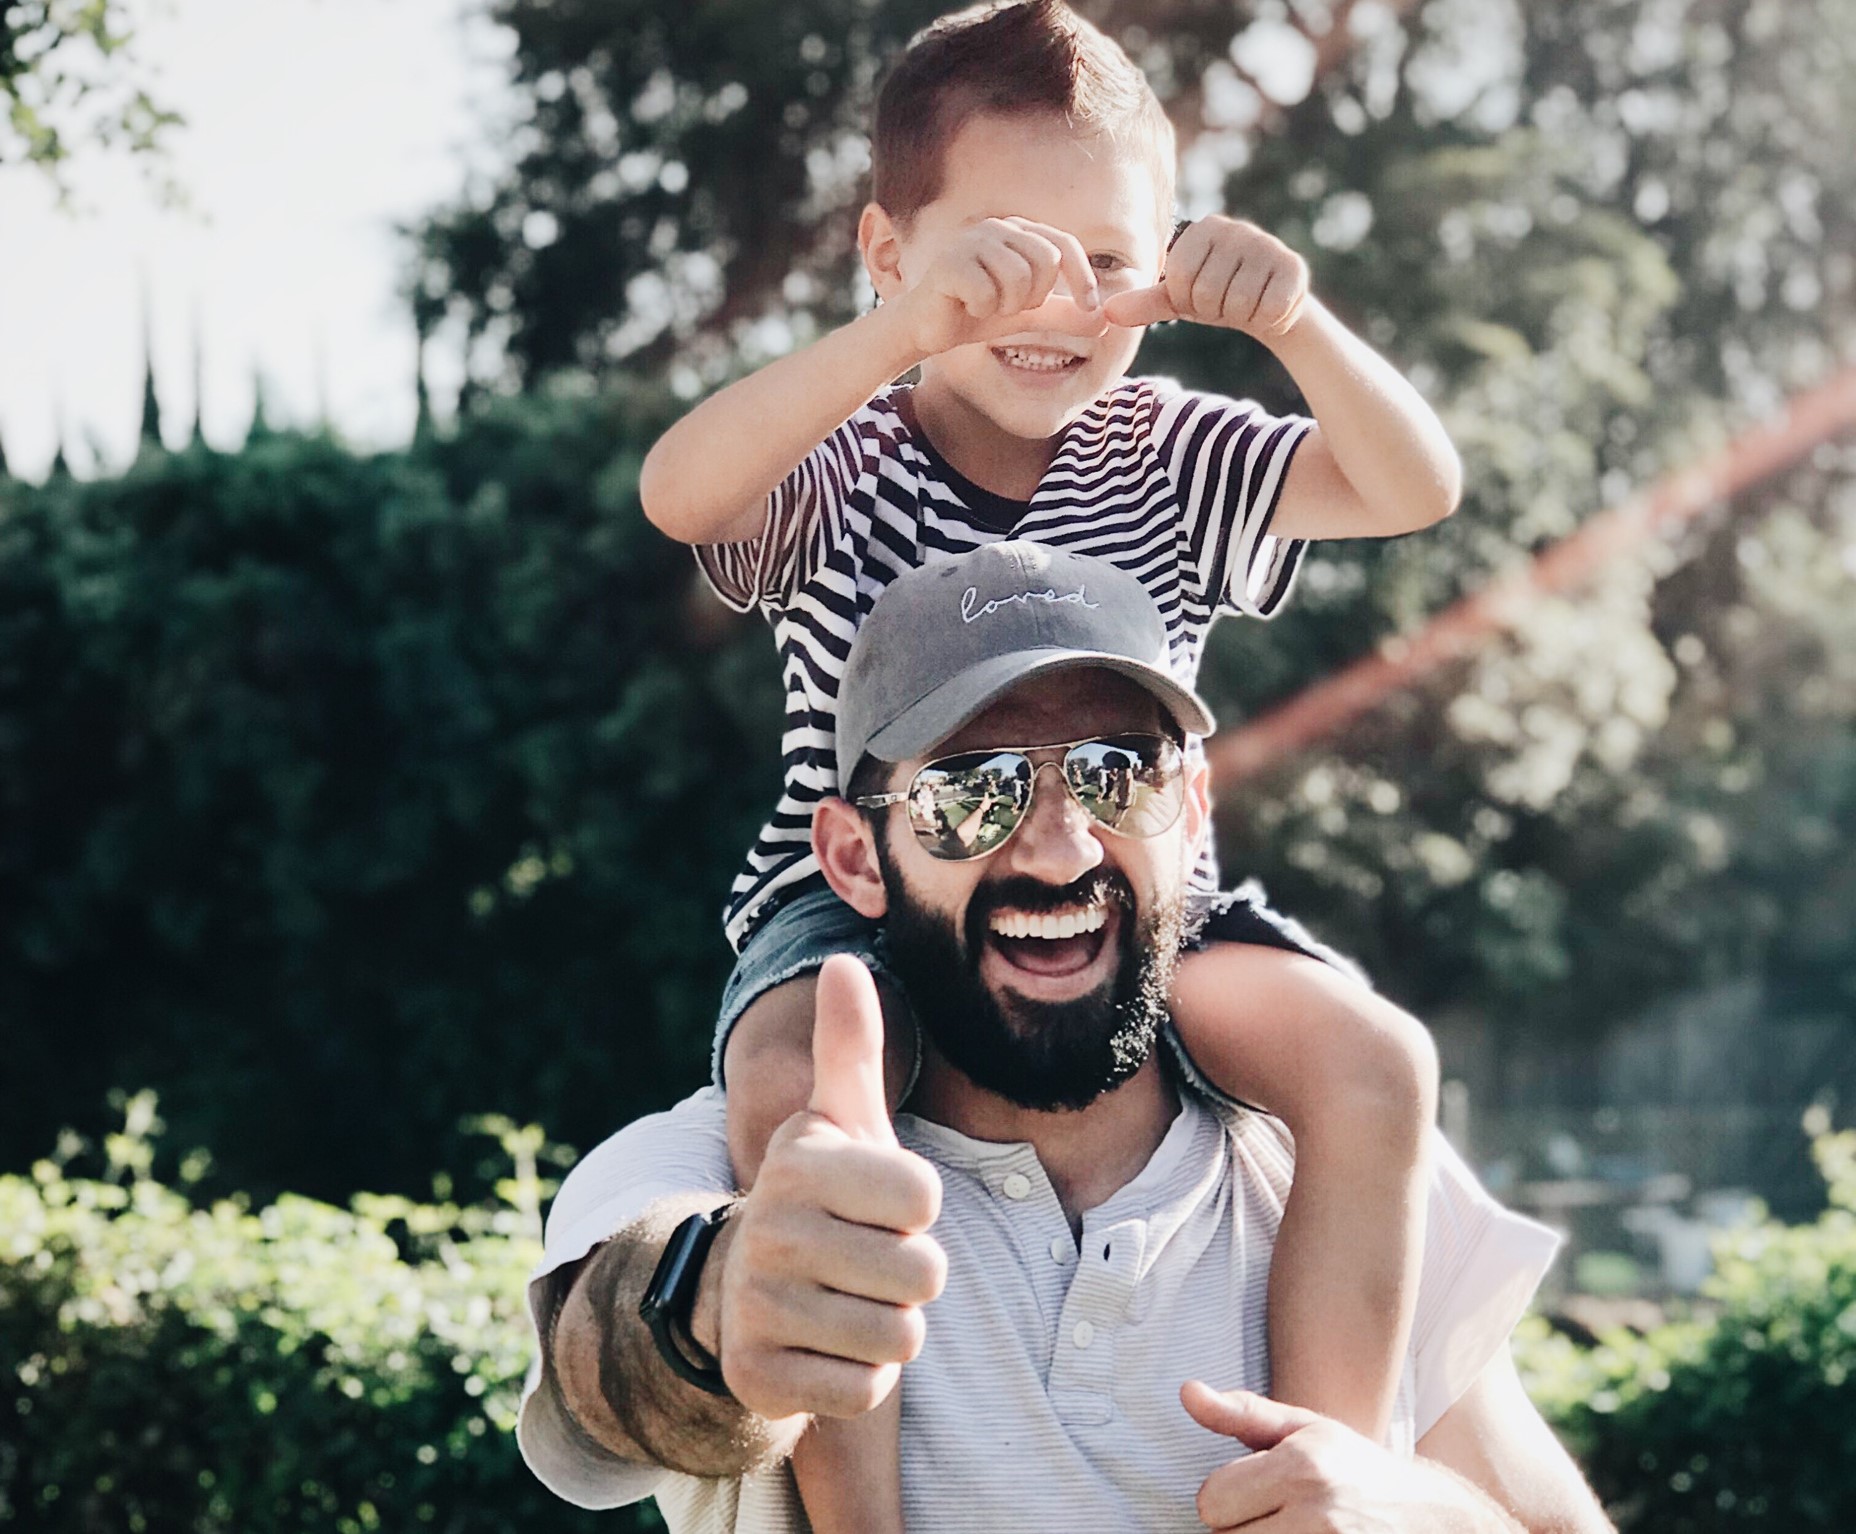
x,y
938,714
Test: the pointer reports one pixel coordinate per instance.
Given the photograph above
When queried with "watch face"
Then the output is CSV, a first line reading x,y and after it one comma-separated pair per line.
x,y
672,1289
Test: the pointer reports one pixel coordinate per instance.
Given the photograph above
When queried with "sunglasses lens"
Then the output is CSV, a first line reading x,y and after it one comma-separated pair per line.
x,y
964,806
1131,783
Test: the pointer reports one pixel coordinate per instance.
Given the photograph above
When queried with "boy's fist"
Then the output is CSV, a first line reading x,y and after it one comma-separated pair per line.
x,y
1222,271
997,279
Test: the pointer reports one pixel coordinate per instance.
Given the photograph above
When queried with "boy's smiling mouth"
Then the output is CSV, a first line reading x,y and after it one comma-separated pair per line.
x,y
1030,357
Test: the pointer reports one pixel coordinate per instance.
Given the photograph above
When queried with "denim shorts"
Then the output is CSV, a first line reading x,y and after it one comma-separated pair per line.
x,y
803,932
809,927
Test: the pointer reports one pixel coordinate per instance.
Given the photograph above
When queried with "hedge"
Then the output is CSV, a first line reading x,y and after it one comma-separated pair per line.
x,y
169,1364
1742,1413
278,1370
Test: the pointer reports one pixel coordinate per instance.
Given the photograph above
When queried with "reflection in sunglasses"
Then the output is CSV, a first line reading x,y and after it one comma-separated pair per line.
x,y
967,806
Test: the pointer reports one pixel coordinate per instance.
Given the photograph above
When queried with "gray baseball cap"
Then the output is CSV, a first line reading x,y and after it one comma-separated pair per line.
x,y
947,639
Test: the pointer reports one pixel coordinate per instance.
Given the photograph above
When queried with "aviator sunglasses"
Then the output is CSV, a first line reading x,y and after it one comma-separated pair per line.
x,y
968,805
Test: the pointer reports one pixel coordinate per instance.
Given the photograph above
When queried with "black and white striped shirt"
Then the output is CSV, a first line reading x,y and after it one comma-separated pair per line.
x,y
1176,487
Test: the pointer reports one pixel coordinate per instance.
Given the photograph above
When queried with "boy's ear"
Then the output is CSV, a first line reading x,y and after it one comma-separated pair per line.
x,y
881,245
844,843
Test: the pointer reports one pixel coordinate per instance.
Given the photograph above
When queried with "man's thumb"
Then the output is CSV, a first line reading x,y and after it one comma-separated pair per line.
x,y
847,1051
1144,306
1255,1421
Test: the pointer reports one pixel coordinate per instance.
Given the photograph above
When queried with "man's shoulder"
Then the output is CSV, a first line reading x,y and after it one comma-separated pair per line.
x,y
681,1149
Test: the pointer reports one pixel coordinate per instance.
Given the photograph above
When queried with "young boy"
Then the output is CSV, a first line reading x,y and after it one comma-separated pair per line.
x,y
1018,241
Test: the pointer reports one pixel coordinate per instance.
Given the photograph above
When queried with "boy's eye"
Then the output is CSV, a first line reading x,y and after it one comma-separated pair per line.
x,y
1106,261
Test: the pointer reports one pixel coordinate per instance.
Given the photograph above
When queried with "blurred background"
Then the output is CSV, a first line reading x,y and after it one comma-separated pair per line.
x,y
371,774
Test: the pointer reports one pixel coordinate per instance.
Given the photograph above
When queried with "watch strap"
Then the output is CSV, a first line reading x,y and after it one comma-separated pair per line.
x,y
670,1298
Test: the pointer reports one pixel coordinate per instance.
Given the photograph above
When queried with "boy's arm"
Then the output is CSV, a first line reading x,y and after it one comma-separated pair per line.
x,y
707,479
1378,462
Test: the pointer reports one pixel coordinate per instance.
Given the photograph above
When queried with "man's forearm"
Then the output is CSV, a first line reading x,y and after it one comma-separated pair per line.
x,y
604,1363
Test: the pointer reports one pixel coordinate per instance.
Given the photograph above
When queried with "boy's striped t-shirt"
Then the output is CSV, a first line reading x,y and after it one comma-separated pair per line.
x,y
1176,487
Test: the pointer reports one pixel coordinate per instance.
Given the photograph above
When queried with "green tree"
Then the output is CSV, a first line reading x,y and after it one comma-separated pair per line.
x,y
349,796
69,78
1602,235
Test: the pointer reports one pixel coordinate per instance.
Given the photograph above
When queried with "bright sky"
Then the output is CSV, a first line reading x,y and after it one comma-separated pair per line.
x,y
313,127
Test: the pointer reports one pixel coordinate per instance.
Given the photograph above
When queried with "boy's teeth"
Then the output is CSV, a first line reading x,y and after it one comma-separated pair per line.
x,y
1045,358
1048,924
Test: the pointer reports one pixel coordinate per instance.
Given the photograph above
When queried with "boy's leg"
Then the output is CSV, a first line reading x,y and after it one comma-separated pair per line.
x,y
849,1471
763,1040
1355,1080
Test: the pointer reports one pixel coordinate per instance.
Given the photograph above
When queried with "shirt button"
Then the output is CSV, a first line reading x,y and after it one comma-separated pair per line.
x,y
1083,1335
1059,1249
1016,1185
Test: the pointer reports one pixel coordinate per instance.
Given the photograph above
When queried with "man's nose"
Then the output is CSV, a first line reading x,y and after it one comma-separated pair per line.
x,y
1057,843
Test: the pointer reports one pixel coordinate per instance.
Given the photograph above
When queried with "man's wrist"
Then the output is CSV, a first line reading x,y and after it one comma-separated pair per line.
x,y
705,1325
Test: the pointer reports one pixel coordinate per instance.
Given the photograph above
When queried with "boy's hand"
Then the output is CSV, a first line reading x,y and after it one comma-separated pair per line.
x,y
997,279
1222,271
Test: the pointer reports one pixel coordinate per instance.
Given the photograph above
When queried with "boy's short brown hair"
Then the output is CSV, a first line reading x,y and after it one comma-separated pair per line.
x,y
1023,57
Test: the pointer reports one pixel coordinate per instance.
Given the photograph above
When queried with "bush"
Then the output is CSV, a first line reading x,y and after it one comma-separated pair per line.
x,y
1739,1415
347,796
289,1368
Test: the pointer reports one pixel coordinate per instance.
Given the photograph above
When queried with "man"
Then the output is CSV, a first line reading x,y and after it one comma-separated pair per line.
x,y
1097,1235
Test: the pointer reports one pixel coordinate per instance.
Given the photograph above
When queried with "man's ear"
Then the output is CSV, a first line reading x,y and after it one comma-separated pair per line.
x,y
881,245
844,843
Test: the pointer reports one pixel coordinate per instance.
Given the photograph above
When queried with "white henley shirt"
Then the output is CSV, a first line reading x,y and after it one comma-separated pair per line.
x,y
1046,1396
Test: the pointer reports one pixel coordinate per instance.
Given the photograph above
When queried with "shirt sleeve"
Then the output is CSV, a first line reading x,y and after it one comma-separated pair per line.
x,y
805,519
1482,1264
679,1152
1227,460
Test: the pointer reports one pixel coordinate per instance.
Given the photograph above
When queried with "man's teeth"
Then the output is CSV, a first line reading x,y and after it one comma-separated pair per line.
x,y
1042,358
1048,924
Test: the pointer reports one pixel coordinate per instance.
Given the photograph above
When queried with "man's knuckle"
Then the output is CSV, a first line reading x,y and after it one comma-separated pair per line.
x,y
924,1269
912,1333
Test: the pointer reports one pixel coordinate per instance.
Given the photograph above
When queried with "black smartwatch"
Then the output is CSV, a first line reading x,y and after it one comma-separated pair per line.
x,y
671,1296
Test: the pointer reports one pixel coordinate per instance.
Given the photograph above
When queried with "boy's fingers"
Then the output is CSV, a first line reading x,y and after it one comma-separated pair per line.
x,y
1144,306
1057,315
847,1052
1013,274
976,290
1039,254
1072,261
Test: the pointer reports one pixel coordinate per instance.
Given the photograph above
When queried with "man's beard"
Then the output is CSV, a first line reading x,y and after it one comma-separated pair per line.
x,y
1041,1055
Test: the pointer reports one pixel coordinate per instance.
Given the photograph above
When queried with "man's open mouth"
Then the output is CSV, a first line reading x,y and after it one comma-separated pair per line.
x,y
1053,944
1037,359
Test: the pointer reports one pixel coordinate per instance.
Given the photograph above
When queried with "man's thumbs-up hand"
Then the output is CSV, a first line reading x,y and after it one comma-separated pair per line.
x,y
830,1263
847,1053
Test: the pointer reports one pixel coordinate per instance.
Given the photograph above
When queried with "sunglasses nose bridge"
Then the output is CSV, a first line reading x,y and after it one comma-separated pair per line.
x,y
1063,778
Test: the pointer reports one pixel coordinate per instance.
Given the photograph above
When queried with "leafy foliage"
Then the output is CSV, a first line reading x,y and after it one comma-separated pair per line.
x,y
347,797
69,80
1601,235
293,1367
1736,1418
